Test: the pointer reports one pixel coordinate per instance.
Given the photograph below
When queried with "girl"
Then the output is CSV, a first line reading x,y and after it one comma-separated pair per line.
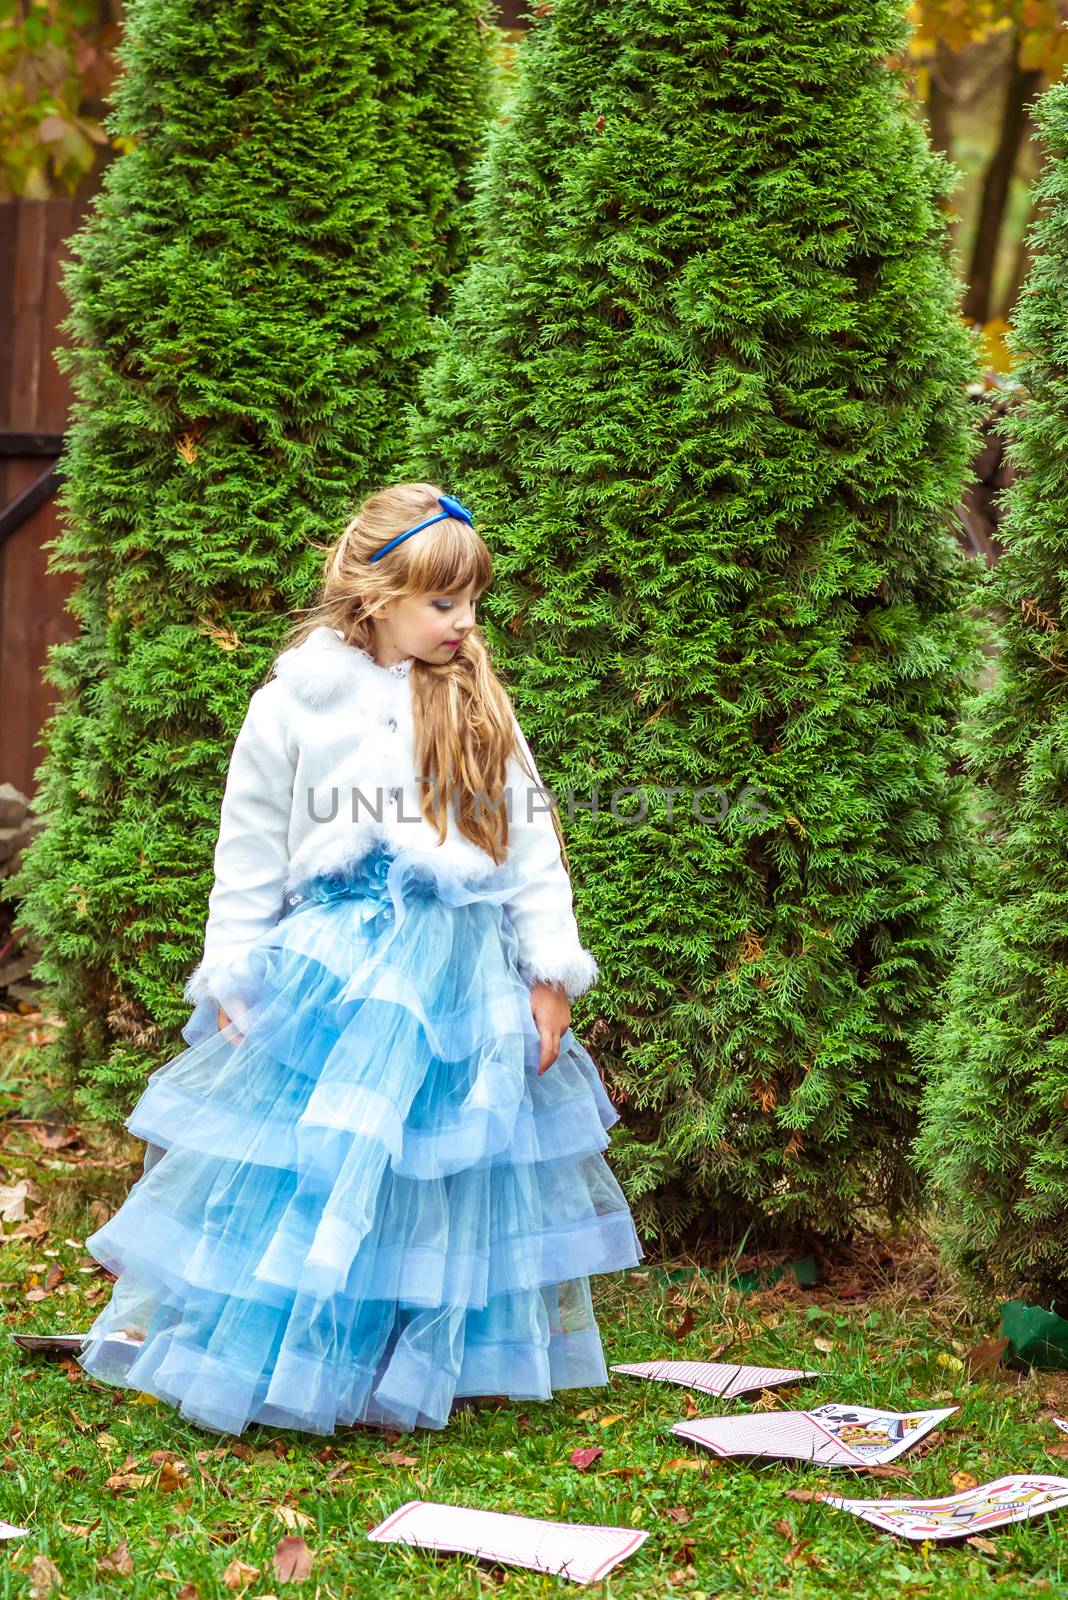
x,y
374,1181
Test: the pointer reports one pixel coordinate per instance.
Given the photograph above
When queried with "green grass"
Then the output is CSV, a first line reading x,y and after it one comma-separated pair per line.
x,y
895,1337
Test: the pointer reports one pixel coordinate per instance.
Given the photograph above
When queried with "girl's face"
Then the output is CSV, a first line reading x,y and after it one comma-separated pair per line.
x,y
429,626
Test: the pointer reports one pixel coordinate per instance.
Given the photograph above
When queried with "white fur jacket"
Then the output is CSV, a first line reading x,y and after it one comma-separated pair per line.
x,y
332,719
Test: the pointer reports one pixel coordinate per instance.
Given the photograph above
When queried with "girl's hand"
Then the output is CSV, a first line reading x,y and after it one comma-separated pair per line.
x,y
226,1022
551,1010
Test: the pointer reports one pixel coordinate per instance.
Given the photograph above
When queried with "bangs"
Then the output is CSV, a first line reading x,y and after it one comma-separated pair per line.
x,y
454,558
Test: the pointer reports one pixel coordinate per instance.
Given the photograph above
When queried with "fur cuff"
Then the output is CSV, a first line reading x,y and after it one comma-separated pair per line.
x,y
577,972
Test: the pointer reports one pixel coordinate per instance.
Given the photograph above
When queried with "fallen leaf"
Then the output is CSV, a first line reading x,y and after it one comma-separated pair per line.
x,y
805,1496
984,1358
54,1138
120,1481
987,1546
802,1551
692,1408
238,1575
606,1422
684,1326
962,1481
1059,1448
117,1560
887,1469
397,1458
292,1560
584,1459
44,1577
173,1475
35,1227
824,1346
294,1519
680,1515
188,1591
784,1528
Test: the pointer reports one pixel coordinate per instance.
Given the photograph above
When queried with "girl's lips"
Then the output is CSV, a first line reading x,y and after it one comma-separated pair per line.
x,y
452,642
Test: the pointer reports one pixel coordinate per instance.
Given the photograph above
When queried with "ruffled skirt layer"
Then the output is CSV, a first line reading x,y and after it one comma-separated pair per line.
x,y
367,1202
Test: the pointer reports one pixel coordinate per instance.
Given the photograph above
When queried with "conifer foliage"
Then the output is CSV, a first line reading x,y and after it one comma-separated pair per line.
x,y
995,1135
706,391
251,302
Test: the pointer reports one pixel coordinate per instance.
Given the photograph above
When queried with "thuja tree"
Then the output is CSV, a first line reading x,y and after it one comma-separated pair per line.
x,y
995,1138
705,389
251,300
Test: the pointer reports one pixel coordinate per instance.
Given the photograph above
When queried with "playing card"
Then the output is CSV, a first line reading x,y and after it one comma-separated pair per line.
x,y
711,1377
50,1343
832,1435
579,1550
991,1505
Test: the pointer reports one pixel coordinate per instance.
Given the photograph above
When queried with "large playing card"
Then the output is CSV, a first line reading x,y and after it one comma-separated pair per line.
x,y
990,1505
832,1435
580,1550
712,1377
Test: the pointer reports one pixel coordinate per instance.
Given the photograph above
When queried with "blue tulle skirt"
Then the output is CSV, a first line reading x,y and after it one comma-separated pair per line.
x,y
368,1202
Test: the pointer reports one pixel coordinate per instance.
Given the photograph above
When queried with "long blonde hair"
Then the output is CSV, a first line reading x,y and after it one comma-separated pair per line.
x,y
463,717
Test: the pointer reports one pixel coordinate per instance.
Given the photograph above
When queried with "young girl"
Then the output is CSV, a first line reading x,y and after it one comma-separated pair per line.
x,y
374,1181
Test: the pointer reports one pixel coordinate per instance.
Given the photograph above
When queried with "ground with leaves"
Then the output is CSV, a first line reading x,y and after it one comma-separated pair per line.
x,y
122,1497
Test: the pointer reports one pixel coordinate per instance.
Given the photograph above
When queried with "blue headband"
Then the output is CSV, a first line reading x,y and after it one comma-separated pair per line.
x,y
453,508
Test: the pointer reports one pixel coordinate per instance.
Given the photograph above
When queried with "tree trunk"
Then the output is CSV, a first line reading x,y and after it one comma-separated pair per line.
x,y
1020,86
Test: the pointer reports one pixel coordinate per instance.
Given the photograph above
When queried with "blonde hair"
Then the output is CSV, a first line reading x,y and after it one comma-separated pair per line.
x,y
464,719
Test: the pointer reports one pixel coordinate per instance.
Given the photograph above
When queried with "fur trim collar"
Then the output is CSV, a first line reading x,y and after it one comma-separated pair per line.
x,y
323,668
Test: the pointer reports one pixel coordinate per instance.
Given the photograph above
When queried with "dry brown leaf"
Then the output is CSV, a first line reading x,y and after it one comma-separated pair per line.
x,y
293,1519
238,1575
680,1515
692,1408
984,1358
397,1458
173,1475
962,1481
887,1469
785,1529
121,1481
802,1551
33,1228
987,1546
1058,1448
117,1560
44,1577
684,1326
606,1422
292,1560
54,1138
805,1496
188,1591
584,1459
